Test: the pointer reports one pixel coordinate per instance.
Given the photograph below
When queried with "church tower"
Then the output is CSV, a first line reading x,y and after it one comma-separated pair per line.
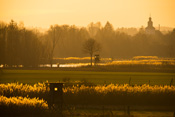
x,y
150,29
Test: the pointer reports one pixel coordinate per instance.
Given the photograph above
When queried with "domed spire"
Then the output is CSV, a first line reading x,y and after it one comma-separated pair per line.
x,y
150,29
150,23
149,18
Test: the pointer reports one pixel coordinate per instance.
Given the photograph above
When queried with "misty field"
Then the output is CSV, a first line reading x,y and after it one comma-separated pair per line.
x,y
132,78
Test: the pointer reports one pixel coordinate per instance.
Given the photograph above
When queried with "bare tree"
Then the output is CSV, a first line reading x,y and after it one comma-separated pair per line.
x,y
55,33
91,46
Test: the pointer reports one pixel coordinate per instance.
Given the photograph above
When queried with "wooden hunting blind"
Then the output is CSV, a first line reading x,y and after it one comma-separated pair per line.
x,y
97,58
56,95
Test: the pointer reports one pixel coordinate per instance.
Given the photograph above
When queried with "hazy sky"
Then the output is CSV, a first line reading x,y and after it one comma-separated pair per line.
x,y
121,13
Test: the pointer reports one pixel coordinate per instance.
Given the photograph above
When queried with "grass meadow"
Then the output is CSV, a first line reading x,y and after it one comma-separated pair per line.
x,y
132,78
87,91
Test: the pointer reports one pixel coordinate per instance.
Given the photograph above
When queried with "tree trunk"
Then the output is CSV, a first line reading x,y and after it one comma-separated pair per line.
x,y
51,62
91,59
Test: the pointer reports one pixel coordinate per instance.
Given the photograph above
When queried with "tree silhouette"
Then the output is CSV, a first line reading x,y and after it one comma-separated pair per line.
x,y
91,46
55,34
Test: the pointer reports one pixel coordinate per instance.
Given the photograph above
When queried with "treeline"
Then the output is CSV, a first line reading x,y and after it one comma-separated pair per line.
x,y
29,47
114,43
19,46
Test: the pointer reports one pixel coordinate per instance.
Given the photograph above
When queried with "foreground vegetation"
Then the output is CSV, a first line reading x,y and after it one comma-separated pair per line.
x,y
20,99
86,93
121,95
21,106
98,95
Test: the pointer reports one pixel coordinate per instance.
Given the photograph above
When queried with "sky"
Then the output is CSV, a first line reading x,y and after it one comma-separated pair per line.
x,y
120,13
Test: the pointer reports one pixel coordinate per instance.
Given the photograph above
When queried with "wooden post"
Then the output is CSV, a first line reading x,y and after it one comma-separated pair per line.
x,y
171,82
130,81
103,112
128,110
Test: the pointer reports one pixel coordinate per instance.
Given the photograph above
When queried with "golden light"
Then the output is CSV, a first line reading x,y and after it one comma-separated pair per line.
x,y
121,13
55,89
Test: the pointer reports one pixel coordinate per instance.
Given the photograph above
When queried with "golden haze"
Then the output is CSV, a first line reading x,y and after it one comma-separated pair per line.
x,y
121,13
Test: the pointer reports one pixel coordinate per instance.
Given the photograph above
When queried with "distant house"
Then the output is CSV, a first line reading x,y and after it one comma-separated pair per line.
x,y
150,29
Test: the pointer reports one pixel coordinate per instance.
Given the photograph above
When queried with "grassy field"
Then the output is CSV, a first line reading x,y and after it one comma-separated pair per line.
x,y
34,76
88,101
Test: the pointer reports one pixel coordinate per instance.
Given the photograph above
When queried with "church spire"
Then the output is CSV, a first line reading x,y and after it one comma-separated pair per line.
x,y
150,23
150,29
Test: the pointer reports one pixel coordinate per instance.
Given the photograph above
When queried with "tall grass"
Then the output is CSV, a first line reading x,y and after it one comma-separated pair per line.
x,y
19,106
16,89
121,95
100,95
137,60
23,102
